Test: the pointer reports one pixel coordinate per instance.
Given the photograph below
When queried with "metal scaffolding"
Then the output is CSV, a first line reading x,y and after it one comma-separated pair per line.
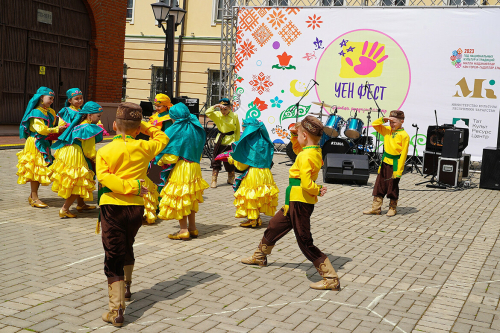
x,y
230,22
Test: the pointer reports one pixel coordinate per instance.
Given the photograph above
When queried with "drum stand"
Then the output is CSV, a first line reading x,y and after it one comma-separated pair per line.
x,y
376,156
372,157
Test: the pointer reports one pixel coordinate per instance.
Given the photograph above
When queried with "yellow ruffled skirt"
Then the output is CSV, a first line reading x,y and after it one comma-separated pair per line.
x,y
150,201
71,174
183,191
257,194
31,166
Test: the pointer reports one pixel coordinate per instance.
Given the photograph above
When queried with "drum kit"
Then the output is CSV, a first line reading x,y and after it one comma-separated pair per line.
x,y
332,141
354,141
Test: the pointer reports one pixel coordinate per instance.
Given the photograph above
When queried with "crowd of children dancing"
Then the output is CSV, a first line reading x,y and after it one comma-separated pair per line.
x,y
128,198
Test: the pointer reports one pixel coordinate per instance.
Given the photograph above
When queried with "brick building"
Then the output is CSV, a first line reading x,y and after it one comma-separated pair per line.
x,y
60,44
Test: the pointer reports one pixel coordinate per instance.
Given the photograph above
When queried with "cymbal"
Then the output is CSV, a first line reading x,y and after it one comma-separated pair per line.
x,y
318,113
324,104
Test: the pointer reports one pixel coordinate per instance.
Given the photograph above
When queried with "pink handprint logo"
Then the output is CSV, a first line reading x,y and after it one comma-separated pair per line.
x,y
368,64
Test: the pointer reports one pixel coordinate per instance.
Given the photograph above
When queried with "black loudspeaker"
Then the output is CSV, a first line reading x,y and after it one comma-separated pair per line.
x,y
430,163
451,143
342,167
490,176
193,104
147,109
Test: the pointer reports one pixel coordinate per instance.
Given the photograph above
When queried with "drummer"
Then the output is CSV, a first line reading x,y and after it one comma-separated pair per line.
x,y
396,143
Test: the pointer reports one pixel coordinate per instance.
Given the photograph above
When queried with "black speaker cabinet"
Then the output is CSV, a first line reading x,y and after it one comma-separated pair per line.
x,y
466,158
430,162
193,104
451,143
342,167
490,166
450,170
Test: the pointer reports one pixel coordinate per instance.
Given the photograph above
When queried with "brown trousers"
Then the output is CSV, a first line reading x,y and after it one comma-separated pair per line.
x,y
298,219
119,225
217,165
385,184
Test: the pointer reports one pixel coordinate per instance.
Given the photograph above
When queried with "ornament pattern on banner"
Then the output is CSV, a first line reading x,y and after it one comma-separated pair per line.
x,y
310,56
261,83
276,19
262,11
292,10
248,20
284,62
314,21
247,49
290,33
281,132
262,35
255,108
291,112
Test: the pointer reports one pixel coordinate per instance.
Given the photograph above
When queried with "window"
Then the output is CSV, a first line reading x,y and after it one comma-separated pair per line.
x,y
219,8
124,83
156,82
278,2
332,2
213,87
464,3
130,10
393,2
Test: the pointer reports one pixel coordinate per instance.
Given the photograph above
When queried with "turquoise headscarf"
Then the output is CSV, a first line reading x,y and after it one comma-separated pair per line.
x,y
254,148
81,131
73,92
32,112
187,136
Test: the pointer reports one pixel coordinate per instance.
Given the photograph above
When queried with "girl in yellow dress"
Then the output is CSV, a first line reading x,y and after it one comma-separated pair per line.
x,y
184,187
161,120
39,121
255,190
74,168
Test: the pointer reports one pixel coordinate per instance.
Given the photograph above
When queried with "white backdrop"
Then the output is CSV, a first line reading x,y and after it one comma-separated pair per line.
x,y
415,59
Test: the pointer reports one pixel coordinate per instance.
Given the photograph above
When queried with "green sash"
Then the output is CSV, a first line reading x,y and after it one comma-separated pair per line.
x,y
394,158
291,183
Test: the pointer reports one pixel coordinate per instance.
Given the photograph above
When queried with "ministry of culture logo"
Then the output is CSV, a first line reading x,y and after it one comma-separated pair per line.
x,y
456,58
461,122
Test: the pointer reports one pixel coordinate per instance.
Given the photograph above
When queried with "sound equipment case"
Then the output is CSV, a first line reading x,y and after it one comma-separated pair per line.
x,y
450,170
343,167
430,162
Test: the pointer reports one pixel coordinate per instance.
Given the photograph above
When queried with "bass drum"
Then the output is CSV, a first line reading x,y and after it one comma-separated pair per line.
x,y
337,146
289,151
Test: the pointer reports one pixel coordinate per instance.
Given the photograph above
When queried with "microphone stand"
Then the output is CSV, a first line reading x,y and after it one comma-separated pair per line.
x,y
413,163
301,98
376,157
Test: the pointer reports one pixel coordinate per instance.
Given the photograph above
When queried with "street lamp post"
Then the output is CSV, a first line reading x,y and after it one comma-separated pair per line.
x,y
173,16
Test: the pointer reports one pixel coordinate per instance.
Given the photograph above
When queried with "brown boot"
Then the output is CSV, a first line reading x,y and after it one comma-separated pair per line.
x,y
116,291
376,207
230,177
330,278
128,281
215,173
392,208
259,257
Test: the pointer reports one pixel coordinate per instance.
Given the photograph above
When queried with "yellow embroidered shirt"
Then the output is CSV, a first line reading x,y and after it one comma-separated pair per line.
x,y
306,167
395,143
225,124
38,125
121,163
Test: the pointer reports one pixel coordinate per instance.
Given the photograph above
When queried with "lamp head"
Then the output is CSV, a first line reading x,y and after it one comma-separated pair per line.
x,y
161,10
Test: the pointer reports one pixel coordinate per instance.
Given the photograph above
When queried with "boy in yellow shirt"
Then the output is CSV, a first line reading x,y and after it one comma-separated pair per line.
x,y
228,125
121,169
396,142
301,195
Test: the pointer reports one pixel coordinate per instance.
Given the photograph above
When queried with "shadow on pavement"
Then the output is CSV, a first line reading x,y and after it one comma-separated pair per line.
x,y
145,299
311,273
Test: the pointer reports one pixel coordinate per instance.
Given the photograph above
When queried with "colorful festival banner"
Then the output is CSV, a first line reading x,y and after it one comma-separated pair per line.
x,y
414,59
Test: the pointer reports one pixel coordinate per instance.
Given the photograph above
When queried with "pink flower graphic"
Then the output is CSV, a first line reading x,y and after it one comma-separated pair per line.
x,y
261,83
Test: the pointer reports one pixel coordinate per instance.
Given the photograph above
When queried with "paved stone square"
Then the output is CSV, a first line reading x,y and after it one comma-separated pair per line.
x,y
432,268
